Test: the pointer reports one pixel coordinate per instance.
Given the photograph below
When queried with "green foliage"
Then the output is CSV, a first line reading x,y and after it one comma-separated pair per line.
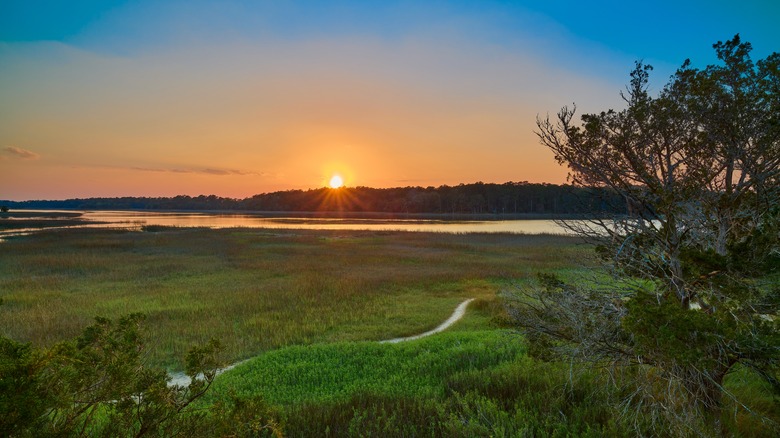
x,y
694,292
665,333
240,417
98,385
756,253
472,383
325,372
23,403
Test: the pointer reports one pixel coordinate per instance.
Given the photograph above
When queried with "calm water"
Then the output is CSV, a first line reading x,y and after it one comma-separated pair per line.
x,y
213,220
132,219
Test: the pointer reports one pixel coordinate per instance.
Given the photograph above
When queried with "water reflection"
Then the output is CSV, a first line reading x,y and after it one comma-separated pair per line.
x,y
213,220
136,220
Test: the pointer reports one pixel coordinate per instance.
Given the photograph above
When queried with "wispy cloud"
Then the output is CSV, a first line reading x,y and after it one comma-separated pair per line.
x,y
207,171
19,153
194,170
184,170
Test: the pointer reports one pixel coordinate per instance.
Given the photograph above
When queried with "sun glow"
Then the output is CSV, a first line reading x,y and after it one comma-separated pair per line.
x,y
336,181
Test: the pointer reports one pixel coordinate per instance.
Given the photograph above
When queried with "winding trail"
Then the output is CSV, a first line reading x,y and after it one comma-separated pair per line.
x,y
455,317
181,379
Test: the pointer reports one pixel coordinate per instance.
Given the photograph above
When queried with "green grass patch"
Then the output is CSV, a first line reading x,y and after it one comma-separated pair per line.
x,y
459,383
334,372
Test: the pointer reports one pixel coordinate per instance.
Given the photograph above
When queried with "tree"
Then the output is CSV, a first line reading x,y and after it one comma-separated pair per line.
x,y
694,264
99,385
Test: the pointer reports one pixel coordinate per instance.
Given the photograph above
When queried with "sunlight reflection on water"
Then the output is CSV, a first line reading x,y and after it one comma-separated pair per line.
x,y
213,220
138,219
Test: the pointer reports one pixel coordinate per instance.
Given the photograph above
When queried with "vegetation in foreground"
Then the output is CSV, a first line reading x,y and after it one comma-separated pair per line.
x,y
460,383
695,296
477,379
255,289
463,383
99,385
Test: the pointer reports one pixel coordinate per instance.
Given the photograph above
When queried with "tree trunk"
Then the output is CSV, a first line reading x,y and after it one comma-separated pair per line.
x,y
723,233
674,264
707,388
714,398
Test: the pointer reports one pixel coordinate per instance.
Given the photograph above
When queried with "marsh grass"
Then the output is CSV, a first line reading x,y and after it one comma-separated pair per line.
x,y
465,382
472,380
309,303
256,289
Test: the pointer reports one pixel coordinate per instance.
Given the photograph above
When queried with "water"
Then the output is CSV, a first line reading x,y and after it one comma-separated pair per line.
x,y
137,219
231,220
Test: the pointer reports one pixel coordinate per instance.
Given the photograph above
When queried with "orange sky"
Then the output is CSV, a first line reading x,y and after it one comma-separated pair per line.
x,y
234,115
238,119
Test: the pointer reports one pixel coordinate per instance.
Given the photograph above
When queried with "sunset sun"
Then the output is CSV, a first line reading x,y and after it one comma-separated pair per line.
x,y
336,181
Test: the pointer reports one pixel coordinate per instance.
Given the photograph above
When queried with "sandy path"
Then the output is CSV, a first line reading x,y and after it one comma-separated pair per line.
x,y
181,379
455,317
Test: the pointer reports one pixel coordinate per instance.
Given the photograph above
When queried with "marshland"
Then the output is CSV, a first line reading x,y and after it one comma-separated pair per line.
x,y
304,309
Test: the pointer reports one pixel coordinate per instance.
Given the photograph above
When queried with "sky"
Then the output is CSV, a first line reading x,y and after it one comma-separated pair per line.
x,y
236,98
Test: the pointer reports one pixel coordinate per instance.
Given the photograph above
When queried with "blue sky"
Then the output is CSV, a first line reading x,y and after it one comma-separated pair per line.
x,y
666,31
114,98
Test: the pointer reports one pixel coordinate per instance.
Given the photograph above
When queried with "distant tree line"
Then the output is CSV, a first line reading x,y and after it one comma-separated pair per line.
x,y
477,198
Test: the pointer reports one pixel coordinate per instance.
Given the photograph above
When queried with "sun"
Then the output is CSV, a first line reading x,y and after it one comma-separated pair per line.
x,y
336,181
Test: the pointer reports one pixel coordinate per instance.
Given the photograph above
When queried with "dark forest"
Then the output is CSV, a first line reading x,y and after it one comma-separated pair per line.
x,y
511,198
